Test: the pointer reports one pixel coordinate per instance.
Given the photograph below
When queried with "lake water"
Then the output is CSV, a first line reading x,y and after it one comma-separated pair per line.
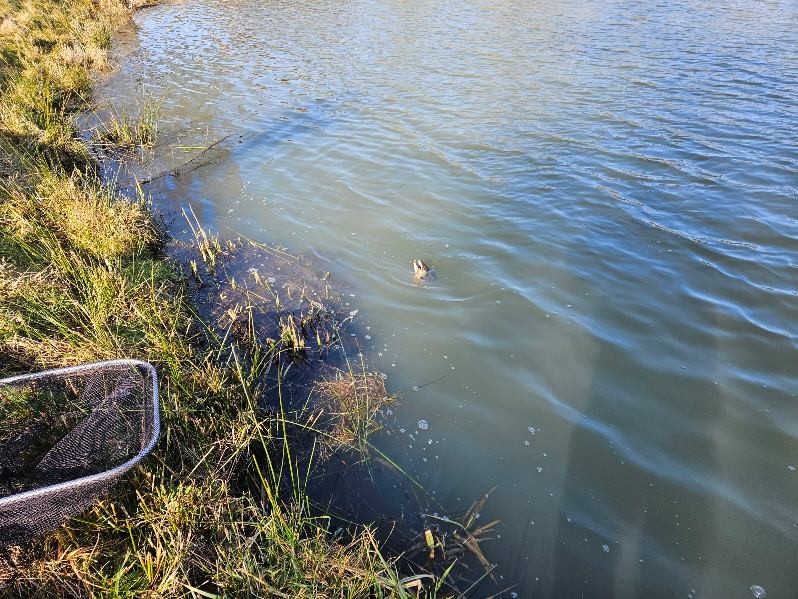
x,y
608,193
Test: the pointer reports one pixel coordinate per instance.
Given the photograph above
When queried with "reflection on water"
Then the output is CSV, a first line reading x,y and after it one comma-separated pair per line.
x,y
607,191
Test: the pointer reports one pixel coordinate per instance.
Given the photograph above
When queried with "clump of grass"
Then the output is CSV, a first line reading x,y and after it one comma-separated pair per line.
x,y
292,338
125,132
352,401
81,209
206,243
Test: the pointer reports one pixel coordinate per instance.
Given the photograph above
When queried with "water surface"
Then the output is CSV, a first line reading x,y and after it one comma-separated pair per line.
x,y
608,192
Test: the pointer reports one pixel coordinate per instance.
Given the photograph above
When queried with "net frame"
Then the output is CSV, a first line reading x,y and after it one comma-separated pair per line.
x,y
92,484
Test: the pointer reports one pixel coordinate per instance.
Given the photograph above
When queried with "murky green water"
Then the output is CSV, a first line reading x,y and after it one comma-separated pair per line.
x,y
608,192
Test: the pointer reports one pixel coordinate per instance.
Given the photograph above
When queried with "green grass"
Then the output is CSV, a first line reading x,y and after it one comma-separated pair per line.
x,y
220,508
128,133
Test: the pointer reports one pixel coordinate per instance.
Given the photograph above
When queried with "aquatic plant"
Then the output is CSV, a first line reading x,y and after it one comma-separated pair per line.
x,y
353,400
125,132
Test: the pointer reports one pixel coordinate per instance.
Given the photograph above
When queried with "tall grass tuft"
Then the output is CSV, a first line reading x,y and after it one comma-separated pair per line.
x,y
125,132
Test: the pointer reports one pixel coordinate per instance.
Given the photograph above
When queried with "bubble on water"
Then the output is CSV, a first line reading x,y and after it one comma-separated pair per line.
x,y
423,425
605,548
758,592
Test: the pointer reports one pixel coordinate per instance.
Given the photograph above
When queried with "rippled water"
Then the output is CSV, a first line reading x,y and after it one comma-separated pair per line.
x,y
608,192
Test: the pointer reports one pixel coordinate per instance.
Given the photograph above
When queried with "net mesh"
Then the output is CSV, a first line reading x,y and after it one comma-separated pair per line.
x,y
66,436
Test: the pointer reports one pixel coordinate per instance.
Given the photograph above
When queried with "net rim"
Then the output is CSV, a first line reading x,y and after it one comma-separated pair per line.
x,y
105,474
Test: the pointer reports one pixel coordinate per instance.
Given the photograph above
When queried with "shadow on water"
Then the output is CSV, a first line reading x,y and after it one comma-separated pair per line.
x,y
633,510
634,514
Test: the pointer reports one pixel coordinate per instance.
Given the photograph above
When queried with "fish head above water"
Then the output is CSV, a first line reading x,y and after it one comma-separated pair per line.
x,y
420,270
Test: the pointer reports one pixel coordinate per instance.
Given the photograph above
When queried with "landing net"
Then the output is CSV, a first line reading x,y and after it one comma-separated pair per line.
x,y
66,436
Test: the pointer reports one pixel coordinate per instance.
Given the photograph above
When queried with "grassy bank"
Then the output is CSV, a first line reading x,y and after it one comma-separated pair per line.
x,y
219,508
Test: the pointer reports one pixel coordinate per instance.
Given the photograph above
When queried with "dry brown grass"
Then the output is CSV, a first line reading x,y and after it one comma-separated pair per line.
x,y
89,216
105,225
350,402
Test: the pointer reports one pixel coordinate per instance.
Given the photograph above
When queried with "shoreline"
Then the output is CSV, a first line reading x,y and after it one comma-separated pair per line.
x,y
219,507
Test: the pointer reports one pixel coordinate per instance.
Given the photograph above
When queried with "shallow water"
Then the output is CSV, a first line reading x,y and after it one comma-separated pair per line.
x,y
608,192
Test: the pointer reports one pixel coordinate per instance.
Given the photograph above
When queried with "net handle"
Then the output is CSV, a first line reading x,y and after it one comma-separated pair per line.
x,y
107,474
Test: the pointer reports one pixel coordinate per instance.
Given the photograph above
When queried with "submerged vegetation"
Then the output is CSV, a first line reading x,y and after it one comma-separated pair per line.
x,y
220,508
